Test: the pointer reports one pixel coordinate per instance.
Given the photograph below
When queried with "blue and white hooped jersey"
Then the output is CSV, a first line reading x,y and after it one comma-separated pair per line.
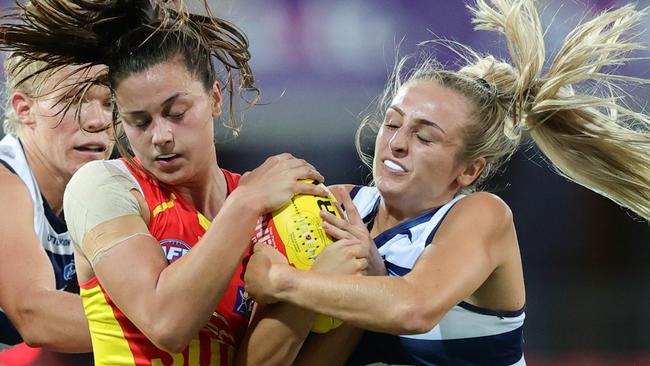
x,y
466,335
50,229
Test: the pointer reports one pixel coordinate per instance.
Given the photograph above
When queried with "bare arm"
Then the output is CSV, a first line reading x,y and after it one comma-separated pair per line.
x,y
277,331
44,316
276,334
332,348
452,268
198,280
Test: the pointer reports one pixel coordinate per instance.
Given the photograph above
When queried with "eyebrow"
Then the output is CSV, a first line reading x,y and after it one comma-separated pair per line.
x,y
165,103
418,120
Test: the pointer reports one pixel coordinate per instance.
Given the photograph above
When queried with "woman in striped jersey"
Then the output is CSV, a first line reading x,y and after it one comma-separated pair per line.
x,y
454,294
42,149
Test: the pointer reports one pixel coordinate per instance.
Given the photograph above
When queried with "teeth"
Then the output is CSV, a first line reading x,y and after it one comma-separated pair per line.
x,y
167,156
392,165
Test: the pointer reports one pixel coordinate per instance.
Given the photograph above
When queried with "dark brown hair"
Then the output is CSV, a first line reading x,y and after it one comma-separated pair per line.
x,y
128,36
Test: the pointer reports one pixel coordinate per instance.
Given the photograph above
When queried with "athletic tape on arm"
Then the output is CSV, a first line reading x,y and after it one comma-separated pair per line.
x,y
100,209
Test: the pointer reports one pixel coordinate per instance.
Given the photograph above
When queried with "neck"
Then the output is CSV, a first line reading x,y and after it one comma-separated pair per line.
x,y
207,193
51,182
393,211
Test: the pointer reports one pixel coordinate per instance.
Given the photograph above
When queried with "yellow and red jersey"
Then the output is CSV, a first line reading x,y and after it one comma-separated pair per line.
x,y
178,226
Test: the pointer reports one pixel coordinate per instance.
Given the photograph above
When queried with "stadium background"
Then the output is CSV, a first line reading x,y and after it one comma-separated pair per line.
x,y
319,64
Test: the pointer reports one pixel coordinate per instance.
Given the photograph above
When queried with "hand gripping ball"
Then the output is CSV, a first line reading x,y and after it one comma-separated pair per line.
x,y
295,230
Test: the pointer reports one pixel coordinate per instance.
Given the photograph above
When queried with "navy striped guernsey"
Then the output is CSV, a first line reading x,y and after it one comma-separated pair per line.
x,y
466,335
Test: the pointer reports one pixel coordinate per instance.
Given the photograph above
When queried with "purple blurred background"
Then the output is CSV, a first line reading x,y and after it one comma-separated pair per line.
x,y
319,65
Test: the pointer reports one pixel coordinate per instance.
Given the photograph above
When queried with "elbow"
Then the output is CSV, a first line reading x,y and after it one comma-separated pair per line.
x,y
33,338
169,337
27,325
416,317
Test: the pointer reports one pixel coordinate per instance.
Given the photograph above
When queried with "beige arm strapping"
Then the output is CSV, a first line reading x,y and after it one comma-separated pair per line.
x,y
101,210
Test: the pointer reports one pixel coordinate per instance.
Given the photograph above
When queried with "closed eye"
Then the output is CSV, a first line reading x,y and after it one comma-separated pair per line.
x,y
141,124
391,125
176,116
424,139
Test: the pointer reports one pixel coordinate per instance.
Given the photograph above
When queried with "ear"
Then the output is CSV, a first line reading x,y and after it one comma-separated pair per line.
x,y
471,172
216,99
22,106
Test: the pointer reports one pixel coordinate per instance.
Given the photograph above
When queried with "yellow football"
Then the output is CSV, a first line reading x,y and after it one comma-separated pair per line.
x,y
295,230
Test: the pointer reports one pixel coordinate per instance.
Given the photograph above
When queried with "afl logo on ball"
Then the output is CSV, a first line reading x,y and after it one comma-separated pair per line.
x,y
174,249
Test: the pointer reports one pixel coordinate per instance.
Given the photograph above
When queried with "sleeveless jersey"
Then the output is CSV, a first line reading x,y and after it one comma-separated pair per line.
x,y
178,226
49,228
466,335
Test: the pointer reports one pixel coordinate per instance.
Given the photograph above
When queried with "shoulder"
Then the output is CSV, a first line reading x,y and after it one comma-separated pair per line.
x,y
13,188
17,214
100,182
98,171
484,212
482,203
102,175
98,192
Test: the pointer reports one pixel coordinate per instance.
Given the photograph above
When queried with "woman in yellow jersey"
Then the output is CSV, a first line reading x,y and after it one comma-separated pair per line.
x,y
184,304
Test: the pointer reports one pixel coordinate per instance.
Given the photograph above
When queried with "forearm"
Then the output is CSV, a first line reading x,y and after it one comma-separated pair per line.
x,y
378,303
332,348
53,320
275,335
199,279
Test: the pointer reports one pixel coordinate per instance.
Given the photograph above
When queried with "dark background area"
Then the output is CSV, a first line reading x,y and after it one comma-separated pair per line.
x,y
319,64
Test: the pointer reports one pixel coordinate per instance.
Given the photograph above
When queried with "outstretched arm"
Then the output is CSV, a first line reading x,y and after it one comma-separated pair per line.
x,y
277,331
452,268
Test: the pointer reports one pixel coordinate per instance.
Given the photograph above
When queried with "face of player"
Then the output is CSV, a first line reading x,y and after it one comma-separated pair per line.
x,y
416,150
168,118
58,141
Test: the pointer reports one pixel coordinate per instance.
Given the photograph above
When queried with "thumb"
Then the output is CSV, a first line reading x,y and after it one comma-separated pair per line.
x,y
259,247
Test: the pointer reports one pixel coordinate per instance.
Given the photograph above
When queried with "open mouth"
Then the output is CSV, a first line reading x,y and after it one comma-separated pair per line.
x,y
166,157
91,148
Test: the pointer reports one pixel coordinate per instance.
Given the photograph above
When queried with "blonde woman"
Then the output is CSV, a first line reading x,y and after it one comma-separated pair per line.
x,y
455,293
43,147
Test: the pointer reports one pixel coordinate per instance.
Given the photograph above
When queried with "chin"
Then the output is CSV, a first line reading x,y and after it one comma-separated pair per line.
x,y
171,179
386,187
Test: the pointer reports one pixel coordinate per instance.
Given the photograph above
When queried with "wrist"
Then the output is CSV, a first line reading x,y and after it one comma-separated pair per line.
x,y
245,202
283,280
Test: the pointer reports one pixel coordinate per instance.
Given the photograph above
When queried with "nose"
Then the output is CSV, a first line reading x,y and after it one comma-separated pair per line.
x,y
95,117
398,142
162,134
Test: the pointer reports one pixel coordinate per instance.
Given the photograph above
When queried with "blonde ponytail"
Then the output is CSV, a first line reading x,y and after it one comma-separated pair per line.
x,y
593,140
